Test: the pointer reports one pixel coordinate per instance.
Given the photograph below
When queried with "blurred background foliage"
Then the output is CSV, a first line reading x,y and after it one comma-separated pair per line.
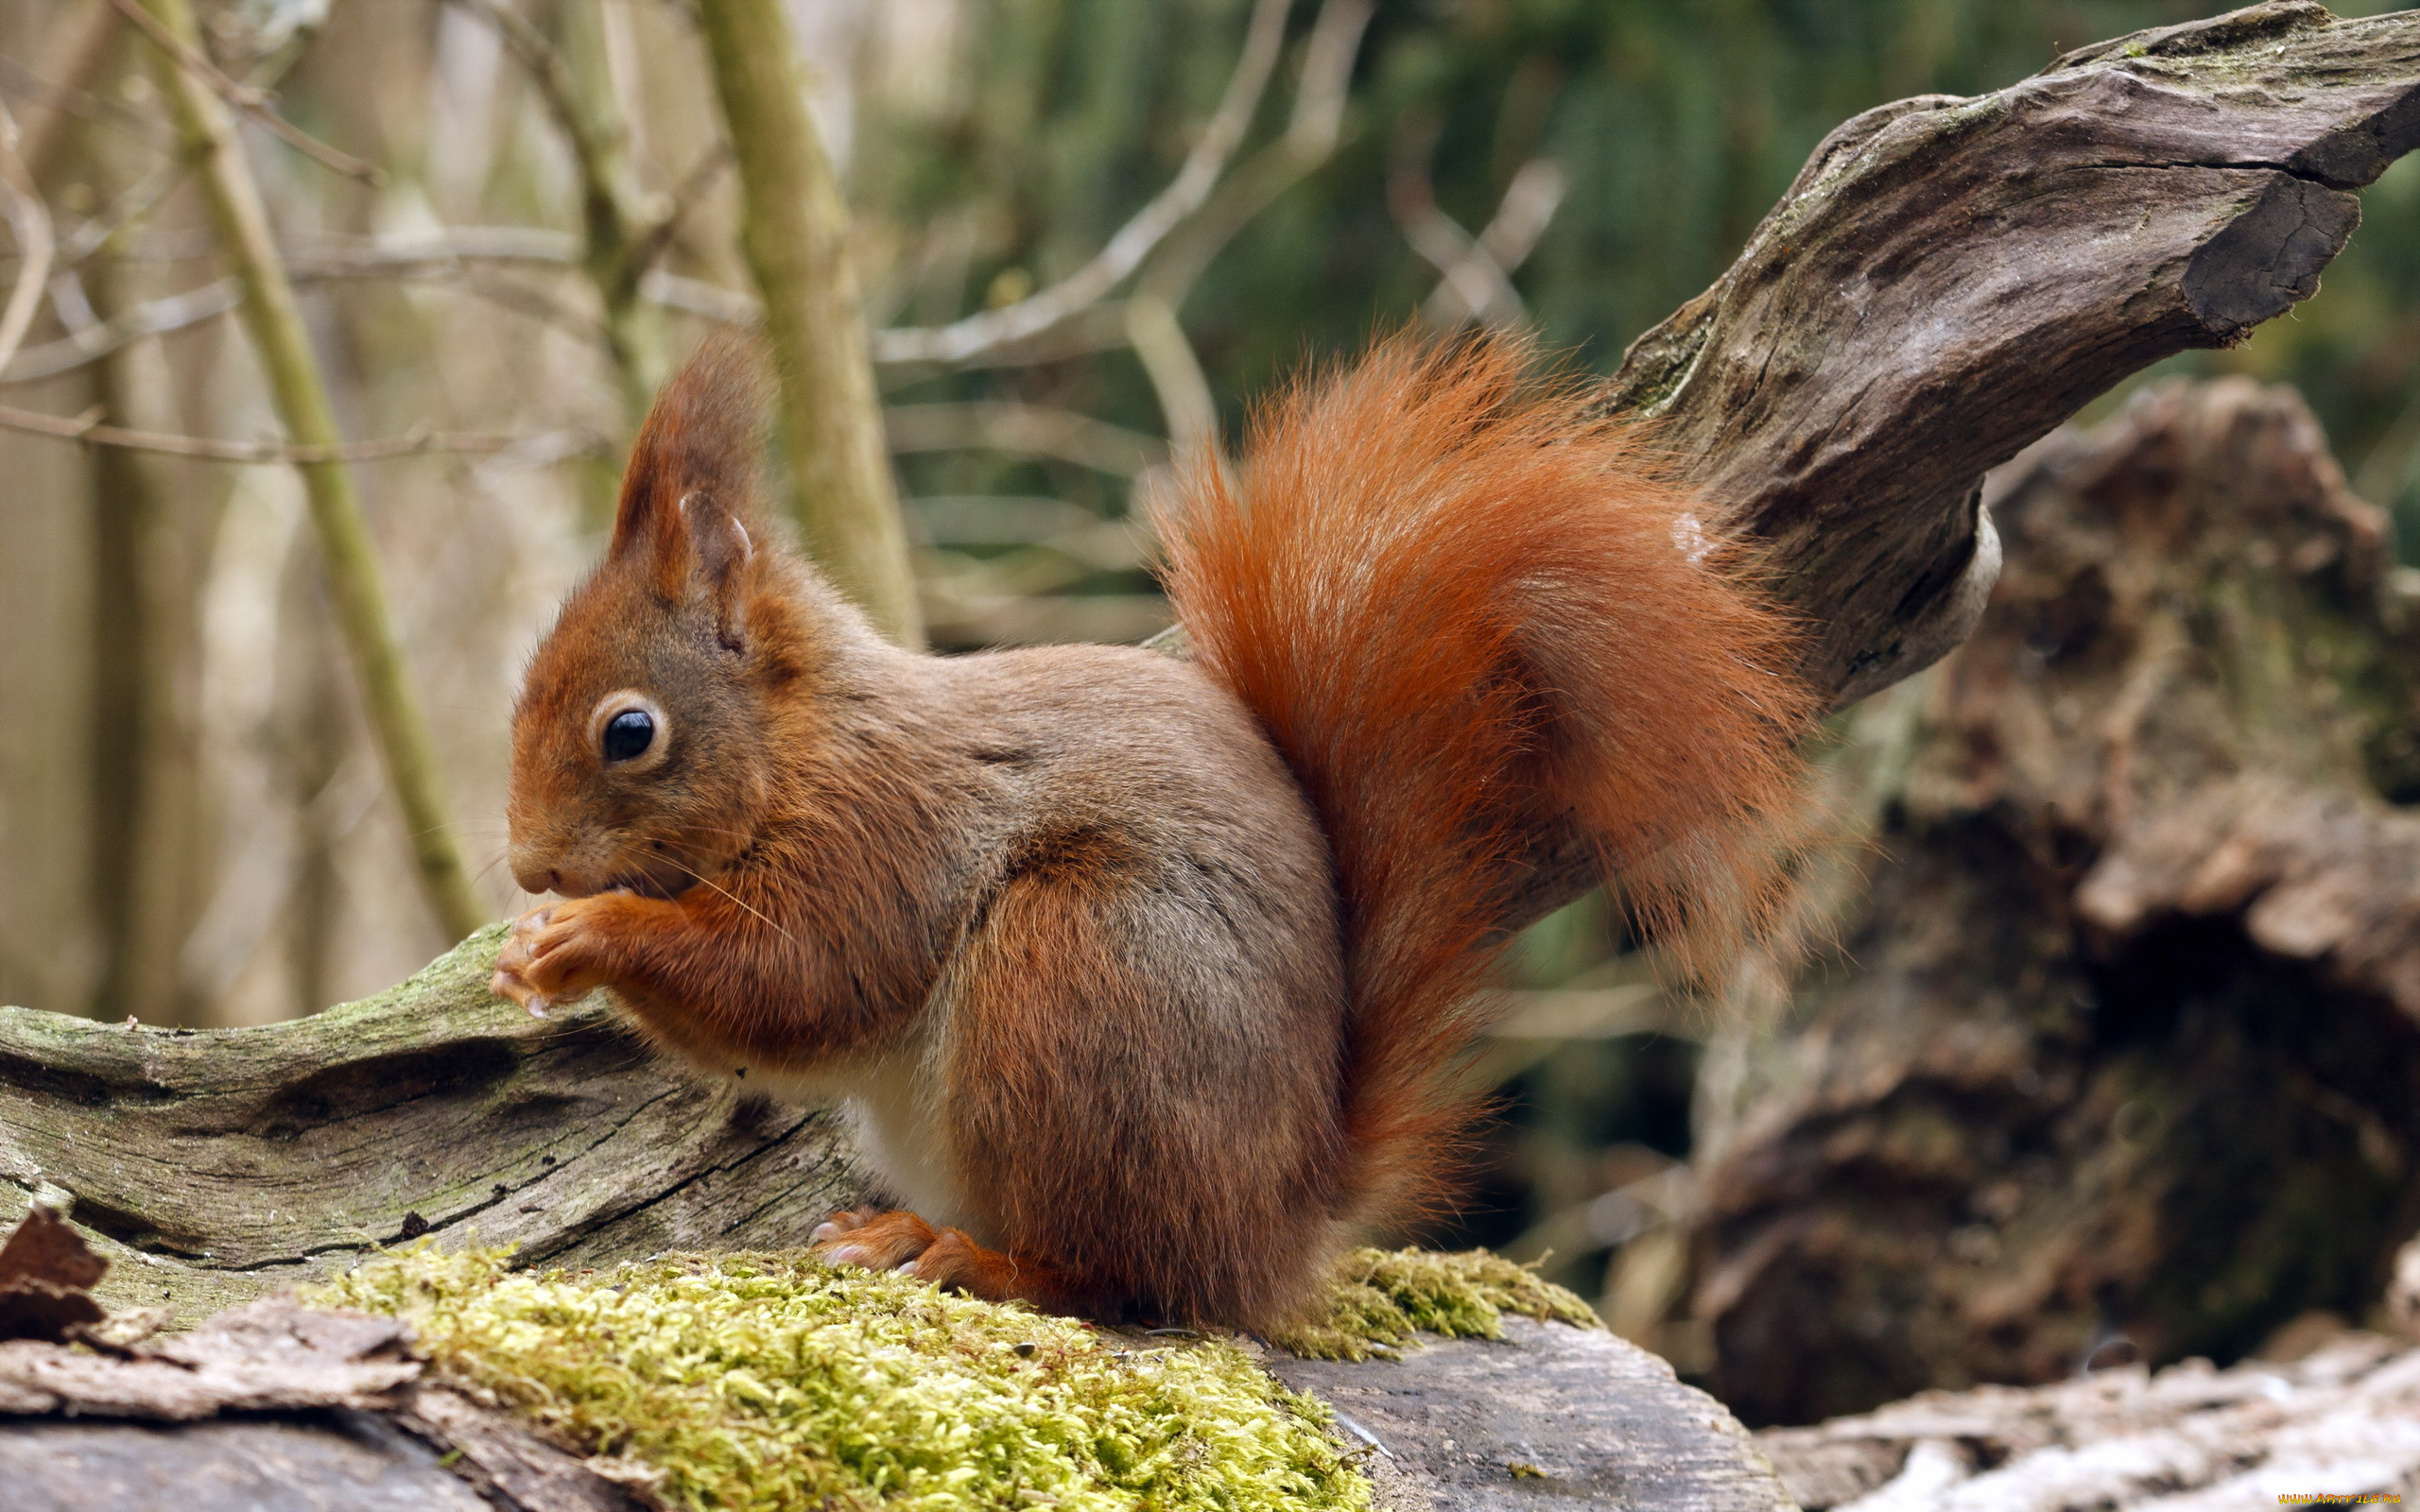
x,y
190,825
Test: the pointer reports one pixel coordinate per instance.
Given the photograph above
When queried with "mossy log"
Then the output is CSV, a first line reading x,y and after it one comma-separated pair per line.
x,y
1946,282
209,1166
596,1391
2120,1060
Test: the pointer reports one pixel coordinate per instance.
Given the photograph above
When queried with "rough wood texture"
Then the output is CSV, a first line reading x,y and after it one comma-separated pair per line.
x,y
1552,1417
209,1166
1949,279
227,1465
2118,1059
2344,1421
266,1356
268,1405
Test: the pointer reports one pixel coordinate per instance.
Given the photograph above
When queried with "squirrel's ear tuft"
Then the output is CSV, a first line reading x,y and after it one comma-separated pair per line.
x,y
700,438
720,550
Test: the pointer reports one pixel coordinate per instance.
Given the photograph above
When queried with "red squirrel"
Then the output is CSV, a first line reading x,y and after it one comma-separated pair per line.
x,y
1146,981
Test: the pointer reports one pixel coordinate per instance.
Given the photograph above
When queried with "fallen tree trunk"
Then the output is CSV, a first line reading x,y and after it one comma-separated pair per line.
x,y
1947,280
211,1166
2339,1425
2120,1057
277,1403
1527,1422
1465,1424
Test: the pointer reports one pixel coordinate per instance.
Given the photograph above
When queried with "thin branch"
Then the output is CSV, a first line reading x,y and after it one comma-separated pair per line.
x,y
358,594
1153,325
1175,373
30,221
597,146
178,312
1312,136
1134,242
794,235
1033,430
418,441
97,340
616,218
686,196
252,102
488,284
458,244
123,211
1478,284
1511,234
693,296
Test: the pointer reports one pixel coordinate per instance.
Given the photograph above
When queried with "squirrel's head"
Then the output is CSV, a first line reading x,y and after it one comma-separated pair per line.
x,y
640,756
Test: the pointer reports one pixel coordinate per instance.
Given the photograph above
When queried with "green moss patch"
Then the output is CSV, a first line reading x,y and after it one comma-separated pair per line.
x,y
776,1382
1381,1297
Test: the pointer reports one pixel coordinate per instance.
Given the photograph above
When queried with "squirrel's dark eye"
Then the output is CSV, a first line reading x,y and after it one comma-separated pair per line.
x,y
627,735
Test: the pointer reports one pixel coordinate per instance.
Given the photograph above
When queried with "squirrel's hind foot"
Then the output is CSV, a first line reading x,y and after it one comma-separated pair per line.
x,y
947,1256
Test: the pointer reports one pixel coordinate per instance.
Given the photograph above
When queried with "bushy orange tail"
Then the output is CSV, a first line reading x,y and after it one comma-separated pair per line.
x,y
1461,606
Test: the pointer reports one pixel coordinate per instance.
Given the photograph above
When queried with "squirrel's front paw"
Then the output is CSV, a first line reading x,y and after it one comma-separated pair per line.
x,y
553,955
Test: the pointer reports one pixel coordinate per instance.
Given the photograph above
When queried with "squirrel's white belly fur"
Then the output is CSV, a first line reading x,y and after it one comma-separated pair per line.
x,y
893,1104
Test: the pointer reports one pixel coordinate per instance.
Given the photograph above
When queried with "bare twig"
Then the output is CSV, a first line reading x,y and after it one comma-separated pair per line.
x,y
1523,214
178,312
1175,373
415,442
1312,134
456,244
1511,234
283,343
693,296
30,223
252,102
686,195
1152,323
598,144
97,340
1134,241
1477,281
618,221
1005,426
123,211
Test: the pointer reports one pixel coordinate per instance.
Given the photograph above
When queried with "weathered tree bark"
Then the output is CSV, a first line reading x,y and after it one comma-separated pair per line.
x,y
209,1166
1949,279
1946,282
333,1415
2121,1058
2343,1422
1525,1419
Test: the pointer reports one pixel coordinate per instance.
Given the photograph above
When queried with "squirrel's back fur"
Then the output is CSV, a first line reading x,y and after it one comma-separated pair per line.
x,y
1462,604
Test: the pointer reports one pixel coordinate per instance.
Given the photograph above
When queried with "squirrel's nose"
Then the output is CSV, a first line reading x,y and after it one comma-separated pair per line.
x,y
530,871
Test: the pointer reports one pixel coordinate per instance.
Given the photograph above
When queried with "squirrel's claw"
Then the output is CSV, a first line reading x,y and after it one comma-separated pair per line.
x,y
541,963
